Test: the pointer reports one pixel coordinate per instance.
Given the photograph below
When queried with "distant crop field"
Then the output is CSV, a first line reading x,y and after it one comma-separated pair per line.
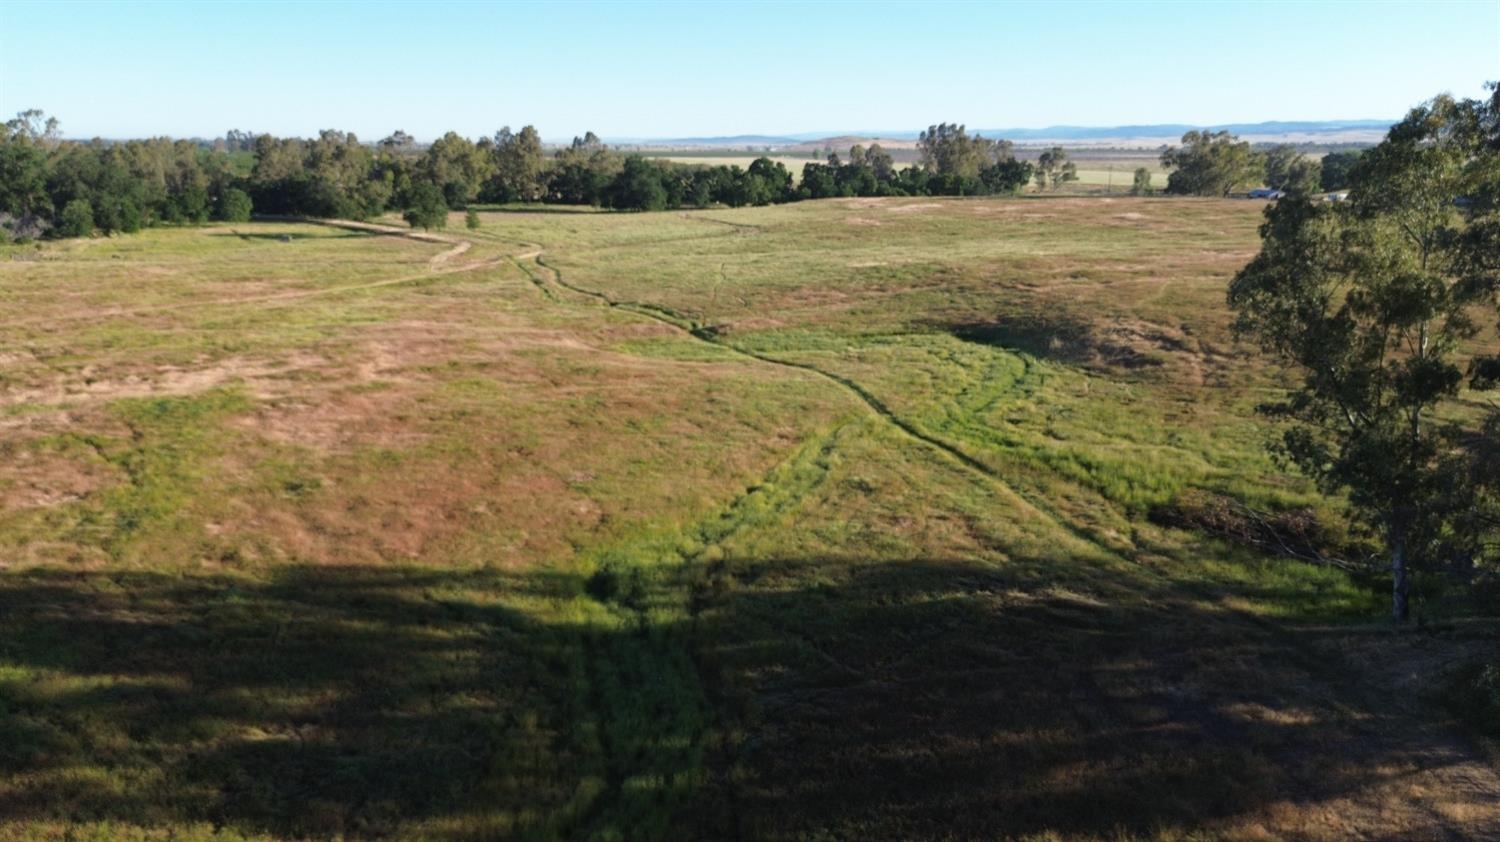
x,y
847,519
794,164
1090,172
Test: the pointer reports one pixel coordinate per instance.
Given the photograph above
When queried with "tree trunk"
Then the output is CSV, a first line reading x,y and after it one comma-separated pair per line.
x,y
1399,610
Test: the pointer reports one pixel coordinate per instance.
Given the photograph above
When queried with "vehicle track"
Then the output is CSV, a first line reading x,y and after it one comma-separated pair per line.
x,y
691,327
614,663
436,267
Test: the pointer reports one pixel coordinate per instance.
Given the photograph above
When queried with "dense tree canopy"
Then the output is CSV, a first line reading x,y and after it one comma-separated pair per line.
x,y
1287,169
1278,164
519,165
126,186
123,186
581,173
1336,168
949,150
458,167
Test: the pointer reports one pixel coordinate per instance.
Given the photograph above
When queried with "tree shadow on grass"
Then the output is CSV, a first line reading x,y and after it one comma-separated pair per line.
x,y
287,237
539,209
947,700
936,699
1056,336
322,701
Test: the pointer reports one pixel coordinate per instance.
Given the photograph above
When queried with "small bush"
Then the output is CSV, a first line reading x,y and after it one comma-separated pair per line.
x,y
77,219
456,195
1142,183
234,206
471,220
131,218
426,209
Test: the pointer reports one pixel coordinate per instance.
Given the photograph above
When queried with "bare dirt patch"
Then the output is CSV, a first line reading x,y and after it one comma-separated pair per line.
x,y
31,479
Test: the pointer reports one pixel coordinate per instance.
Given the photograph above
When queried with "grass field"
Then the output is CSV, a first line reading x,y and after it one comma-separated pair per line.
x,y
830,520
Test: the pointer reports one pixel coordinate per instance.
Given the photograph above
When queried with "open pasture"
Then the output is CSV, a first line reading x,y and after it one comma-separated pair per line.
x,y
837,519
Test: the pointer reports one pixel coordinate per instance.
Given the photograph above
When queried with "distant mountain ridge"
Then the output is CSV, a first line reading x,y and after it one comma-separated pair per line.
x,y
724,140
1061,133
1178,129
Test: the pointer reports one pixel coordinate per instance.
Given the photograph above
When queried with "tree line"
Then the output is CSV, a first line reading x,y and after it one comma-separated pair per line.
x,y
1219,163
54,187
48,185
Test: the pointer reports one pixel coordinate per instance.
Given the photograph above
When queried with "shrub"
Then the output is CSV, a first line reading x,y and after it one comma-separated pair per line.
x,y
426,208
234,206
1142,183
77,219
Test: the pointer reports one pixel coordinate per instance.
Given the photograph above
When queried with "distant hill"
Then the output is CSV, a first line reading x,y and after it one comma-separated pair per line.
x,y
717,141
1176,130
1344,131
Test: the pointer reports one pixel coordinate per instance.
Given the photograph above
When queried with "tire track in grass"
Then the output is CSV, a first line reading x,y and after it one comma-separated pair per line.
x,y
741,226
875,405
546,291
650,693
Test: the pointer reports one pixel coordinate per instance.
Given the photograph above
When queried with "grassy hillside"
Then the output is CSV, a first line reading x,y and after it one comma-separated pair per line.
x,y
853,519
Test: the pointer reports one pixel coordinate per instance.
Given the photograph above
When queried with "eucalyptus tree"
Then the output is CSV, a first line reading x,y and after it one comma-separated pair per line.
x,y
519,166
880,162
581,172
1336,167
1372,302
948,149
457,167
1278,162
1211,164
1054,168
1141,186
24,164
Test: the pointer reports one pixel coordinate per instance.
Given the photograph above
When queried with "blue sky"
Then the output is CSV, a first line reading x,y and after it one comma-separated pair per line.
x,y
661,69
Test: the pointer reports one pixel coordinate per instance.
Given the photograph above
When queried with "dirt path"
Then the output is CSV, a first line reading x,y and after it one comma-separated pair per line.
x,y
436,265
459,246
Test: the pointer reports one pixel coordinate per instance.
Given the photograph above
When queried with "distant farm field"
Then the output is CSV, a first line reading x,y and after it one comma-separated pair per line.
x,y
793,163
1091,173
848,519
